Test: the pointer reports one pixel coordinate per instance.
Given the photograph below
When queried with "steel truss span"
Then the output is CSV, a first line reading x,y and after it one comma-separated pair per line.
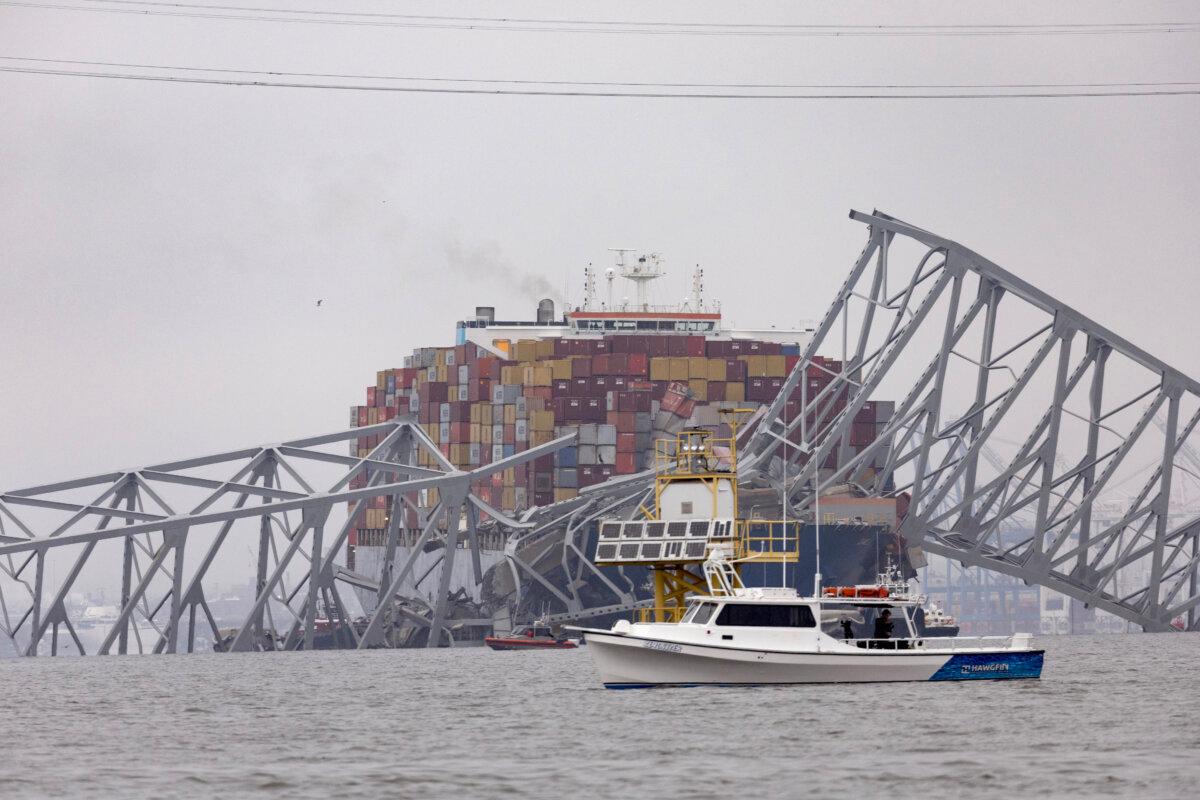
x,y
159,553
1021,431
1060,408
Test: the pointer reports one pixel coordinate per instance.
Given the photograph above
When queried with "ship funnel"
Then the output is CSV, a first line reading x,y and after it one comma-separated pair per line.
x,y
485,314
545,312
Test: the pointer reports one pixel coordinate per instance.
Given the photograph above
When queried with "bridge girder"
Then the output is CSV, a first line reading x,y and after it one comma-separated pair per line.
x,y
980,357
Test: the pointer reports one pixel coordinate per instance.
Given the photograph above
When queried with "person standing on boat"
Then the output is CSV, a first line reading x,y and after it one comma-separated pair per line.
x,y
884,625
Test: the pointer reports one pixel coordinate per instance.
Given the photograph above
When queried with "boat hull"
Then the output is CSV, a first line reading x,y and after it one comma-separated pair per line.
x,y
503,643
628,662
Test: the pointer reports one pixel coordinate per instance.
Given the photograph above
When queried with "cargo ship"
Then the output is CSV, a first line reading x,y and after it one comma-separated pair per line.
x,y
620,374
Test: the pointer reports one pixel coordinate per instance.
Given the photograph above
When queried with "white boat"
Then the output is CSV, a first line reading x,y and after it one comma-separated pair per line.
x,y
709,629
771,636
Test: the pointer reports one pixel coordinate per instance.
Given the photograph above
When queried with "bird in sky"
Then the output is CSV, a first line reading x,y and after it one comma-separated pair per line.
x,y
319,303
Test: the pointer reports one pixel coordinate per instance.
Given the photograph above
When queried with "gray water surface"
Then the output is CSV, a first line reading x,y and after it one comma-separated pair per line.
x,y
1112,716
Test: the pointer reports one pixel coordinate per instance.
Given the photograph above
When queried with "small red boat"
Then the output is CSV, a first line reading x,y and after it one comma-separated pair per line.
x,y
531,637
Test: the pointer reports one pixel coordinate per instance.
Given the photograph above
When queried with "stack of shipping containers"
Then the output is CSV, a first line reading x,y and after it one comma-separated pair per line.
x,y
615,392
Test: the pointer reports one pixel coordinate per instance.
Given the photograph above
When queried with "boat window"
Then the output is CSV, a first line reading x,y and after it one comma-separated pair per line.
x,y
767,616
704,613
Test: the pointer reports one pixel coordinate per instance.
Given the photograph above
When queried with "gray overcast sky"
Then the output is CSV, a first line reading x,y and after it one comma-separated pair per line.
x,y
162,245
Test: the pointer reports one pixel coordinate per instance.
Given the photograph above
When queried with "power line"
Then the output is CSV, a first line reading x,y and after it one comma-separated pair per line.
x,y
632,27
621,84
647,23
981,95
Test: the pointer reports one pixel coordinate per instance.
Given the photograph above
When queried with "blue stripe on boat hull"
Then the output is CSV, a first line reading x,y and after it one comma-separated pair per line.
x,y
991,666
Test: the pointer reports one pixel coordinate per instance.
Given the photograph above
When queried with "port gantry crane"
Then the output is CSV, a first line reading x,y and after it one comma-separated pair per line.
x,y
980,355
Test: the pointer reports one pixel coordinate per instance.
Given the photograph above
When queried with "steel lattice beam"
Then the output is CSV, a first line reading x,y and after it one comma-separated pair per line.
x,y
982,357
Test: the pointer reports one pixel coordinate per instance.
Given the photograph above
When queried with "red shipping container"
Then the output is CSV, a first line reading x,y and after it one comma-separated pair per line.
x,y
389,413
362,416
626,463
626,443
618,364
353,538
695,346
600,364
540,392
599,385
866,413
735,370
617,383
617,344
735,347
790,362
488,367
581,368
510,434
639,345
677,346
597,346
638,364
581,387
594,409
370,395
560,387
658,346
716,391
716,348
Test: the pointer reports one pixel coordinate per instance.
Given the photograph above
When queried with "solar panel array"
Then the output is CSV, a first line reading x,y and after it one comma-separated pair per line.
x,y
647,541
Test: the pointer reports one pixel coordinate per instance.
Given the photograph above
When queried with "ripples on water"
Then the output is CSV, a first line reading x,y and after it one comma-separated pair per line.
x,y
1112,716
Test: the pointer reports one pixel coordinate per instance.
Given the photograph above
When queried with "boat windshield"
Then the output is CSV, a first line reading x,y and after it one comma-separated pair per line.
x,y
758,615
700,613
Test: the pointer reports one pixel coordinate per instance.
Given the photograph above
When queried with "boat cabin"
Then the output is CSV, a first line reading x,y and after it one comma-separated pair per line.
x,y
866,622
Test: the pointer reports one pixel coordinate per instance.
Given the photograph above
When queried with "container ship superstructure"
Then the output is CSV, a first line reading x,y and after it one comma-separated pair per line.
x,y
621,374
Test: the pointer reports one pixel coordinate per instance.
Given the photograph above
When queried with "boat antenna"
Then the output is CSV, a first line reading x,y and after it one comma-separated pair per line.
x,y
783,499
817,519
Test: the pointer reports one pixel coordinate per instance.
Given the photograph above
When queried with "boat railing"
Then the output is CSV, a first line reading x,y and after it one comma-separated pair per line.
x,y
659,613
948,643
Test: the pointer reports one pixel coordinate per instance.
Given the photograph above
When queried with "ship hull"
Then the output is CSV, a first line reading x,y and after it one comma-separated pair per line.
x,y
628,662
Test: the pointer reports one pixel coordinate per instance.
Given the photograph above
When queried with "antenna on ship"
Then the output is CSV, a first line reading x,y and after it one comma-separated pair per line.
x,y
610,274
589,287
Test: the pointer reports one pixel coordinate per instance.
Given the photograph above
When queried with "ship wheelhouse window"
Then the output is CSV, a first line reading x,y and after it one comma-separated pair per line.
x,y
766,616
701,613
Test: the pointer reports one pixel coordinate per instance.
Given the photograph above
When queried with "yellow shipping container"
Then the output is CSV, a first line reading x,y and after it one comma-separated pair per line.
x,y
476,432
540,437
381,380
565,494
442,373
716,369
542,376
510,375
510,414
660,369
541,421
679,369
545,349
756,366
699,388
735,392
561,369
698,367
776,366
372,415
510,476
508,498
527,350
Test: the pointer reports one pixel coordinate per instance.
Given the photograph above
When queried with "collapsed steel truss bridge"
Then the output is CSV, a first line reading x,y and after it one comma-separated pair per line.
x,y
974,355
